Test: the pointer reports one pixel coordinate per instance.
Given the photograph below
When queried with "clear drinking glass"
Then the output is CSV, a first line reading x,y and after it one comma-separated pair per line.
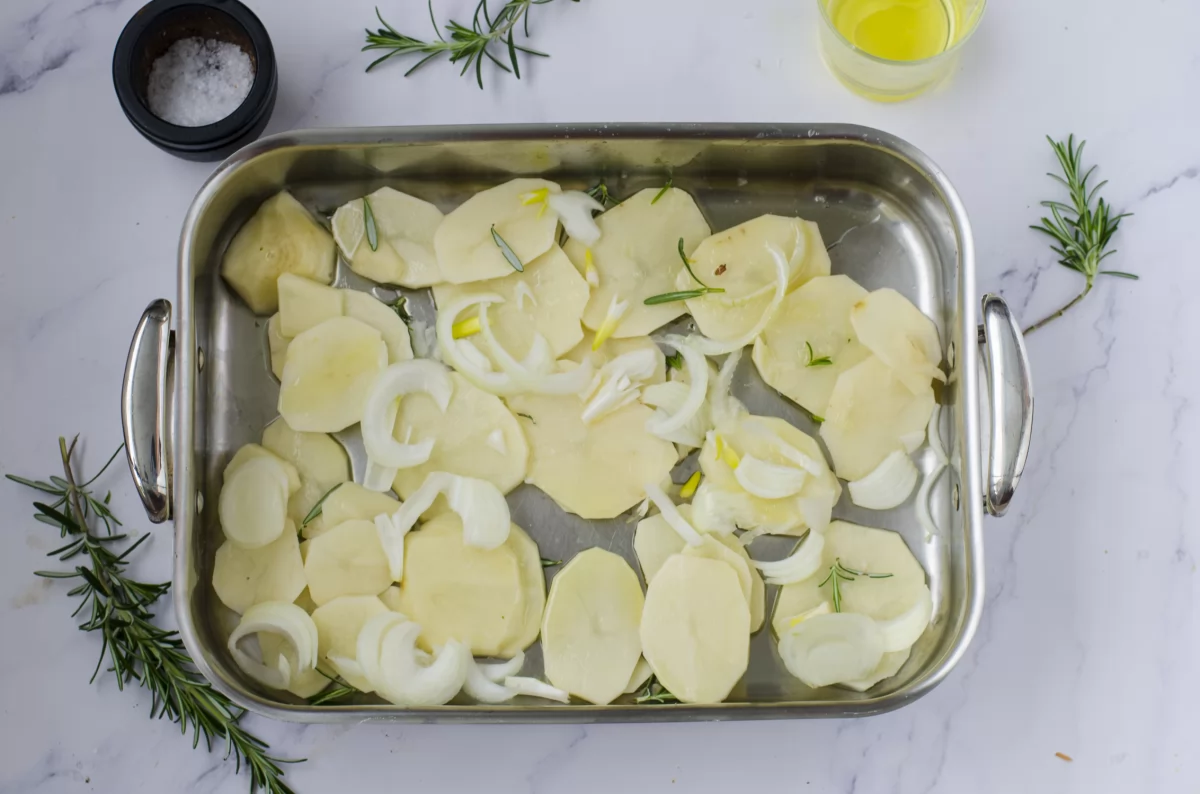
x,y
891,50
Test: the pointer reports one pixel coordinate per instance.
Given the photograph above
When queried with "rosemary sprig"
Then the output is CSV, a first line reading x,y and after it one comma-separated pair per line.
x,y
549,563
336,696
675,361
662,192
654,693
135,649
683,295
1082,229
318,507
470,45
688,264
838,573
369,222
600,193
509,254
823,361
400,307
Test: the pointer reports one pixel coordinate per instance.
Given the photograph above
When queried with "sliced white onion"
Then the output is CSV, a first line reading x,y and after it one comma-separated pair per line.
x,y
484,511
618,383
467,363
378,478
769,480
483,689
419,375
252,505
287,620
495,440
574,208
816,503
829,649
370,639
716,510
671,514
391,537
498,671
726,407
474,355
816,468
712,347
536,688
612,318
642,509
822,608
669,399
405,681
933,431
799,565
697,371
903,630
913,441
350,671
888,485
522,292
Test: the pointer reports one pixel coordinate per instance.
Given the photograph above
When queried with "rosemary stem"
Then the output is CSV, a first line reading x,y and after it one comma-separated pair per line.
x,y
1050,318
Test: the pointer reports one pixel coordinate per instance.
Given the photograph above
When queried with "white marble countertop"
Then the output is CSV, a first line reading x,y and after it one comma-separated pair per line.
x,y
1092,627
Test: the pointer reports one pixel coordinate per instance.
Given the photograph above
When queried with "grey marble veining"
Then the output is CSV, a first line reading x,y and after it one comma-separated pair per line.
x,y
1091,631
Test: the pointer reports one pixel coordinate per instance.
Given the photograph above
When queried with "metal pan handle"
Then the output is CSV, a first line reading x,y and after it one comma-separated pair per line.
x,y
145,409
1010,392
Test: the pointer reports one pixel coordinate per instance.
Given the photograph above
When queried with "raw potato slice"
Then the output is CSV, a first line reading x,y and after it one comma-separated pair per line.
x,y
252,506
245,577
870,414
352,502
533,584
248,452
888,666
637,257
596,470
460,437
713,549
758,436
466,250
346,560
747,271
321,462
549,302
817,313
861,549
281,237
383,319
461,592
277,344
590,642
696,629
308,683
900,335
654,542
758,588
405,227
338,624
304,303
612,348
328,373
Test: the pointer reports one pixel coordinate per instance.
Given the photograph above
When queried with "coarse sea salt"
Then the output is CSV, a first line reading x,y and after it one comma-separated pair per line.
x,y
197,82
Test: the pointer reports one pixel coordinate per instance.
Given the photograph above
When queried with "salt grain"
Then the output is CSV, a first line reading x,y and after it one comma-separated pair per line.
x,y
197,82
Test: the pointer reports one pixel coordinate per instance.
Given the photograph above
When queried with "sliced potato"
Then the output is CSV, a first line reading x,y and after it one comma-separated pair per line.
x,y
383,319
405,226
637,257
590,642
460,439
533,584
612,347
253,502
870,414
304,303
654,542
466,249
547,298
347,560
641,674
860,549
281,237
760,436
901,336
249,452
352,502
245,577
737,261
277,344
818,314
758,588
461,592
338,624
713,549
304,685
888,666
595,470
328,374
321,462
696,628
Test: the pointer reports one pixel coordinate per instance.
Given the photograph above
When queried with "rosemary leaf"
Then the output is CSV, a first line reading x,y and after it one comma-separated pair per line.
x,y
675,361
369,221
688,294
823,361
549,563
318,507
662,192
688,264
507,251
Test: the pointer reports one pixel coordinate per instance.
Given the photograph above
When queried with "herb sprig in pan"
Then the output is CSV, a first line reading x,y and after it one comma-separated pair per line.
x,y
118,608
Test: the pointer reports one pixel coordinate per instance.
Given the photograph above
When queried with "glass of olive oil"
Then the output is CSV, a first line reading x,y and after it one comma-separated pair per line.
x,y
890,50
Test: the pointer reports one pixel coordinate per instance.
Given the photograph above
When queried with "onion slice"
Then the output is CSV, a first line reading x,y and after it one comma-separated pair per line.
x,y
499,671
618,383
671,514
574,208
293,624
726,407
697,371
483,689
888,485
799,565
370,638
713,347
828,649
386,455
769,480
535,688
905,629
405,681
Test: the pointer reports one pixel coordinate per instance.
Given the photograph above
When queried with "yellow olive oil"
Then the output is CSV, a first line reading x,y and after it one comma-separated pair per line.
x,y
899,30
